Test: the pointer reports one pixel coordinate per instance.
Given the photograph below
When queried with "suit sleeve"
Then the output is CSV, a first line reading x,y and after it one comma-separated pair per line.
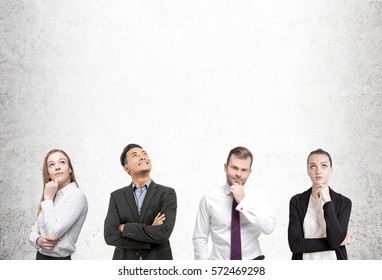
x,y
112,235
155,234
297,242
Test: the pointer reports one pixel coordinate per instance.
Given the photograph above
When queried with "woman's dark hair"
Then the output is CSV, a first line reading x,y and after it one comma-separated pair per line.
x,y
320,152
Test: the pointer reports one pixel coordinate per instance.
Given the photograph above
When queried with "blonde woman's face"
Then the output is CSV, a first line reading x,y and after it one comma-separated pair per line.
x,y
58,168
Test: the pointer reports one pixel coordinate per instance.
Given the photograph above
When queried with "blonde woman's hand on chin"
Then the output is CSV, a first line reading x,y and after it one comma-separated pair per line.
x,y
51,189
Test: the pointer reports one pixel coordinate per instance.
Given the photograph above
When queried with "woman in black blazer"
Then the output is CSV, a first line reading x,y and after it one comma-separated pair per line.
x,y
319,217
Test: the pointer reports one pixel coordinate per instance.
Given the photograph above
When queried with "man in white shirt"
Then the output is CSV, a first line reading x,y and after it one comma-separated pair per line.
x,y
234,198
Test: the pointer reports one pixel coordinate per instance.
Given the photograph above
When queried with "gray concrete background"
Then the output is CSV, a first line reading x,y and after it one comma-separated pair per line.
x,y
189,80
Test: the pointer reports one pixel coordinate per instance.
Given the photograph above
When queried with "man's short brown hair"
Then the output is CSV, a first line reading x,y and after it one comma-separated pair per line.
x,y
240,152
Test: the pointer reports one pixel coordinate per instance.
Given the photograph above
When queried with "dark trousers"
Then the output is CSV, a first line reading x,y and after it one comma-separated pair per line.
x,y
42,257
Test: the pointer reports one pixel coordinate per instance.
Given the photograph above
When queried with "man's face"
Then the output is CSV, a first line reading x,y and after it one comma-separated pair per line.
x,y
237,170
319,169
138,161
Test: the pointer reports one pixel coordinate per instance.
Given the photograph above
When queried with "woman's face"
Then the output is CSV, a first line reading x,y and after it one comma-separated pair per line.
x,y
319,169
58,168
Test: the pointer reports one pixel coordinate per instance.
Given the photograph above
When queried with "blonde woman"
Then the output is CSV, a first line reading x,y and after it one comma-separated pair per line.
x,y
61,212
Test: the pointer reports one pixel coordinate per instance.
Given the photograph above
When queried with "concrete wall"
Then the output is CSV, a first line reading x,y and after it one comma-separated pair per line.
x,y
189,80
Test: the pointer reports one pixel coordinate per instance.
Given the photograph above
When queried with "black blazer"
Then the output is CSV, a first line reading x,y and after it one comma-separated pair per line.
x,y
139,238
336,215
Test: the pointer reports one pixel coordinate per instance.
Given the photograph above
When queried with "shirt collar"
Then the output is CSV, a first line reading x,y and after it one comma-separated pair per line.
x,y
226,189
67,188
147,185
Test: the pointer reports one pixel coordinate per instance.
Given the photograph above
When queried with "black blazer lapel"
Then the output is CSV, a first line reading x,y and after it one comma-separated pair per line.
x,y
305,202
131,202
146,202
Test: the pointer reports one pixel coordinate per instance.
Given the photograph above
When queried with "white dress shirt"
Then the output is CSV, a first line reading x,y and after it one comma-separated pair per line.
x,y
64,218
214,217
